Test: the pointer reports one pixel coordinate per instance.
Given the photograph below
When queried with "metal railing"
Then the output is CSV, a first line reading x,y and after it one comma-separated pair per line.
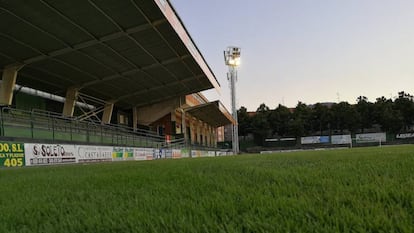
x,y
50,126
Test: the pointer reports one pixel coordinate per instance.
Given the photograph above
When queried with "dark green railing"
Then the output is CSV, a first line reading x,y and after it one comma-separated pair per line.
x,y
48,126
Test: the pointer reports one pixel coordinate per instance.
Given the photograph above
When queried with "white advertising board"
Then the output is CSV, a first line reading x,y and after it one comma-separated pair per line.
x,y
341,139
314,139
371,137
176,153
168,153
404,135
211,153
143,153
195,153
94,153
48,154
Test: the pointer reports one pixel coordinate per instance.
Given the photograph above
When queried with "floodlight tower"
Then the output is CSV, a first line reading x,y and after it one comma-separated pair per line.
x,y
232,60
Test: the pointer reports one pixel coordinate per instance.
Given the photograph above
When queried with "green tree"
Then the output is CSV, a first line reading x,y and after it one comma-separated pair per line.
x,y
260,124
302,114
320,117
405,105
365,113
344,117
244,121
299,125
387,115
279,120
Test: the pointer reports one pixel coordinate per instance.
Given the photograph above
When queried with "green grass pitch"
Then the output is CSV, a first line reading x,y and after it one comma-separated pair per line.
x,y
348,190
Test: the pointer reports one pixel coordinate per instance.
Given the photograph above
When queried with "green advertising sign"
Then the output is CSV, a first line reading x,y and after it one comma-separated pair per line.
x,y
129,153
12,154
117,153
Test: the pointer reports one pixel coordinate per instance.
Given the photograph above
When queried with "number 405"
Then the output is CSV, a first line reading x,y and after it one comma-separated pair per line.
x,y
13,162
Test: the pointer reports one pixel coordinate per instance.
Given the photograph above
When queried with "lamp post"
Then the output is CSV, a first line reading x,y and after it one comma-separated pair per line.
x,y
232,60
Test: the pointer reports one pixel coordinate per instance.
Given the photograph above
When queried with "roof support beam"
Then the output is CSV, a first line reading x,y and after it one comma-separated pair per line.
x,y
184,125
135,118
192,131
69,105
173,119
209,130
107,113
214,137
8,82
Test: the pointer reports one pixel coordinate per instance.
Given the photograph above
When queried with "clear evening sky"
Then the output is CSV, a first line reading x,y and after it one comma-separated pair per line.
x,y
306,50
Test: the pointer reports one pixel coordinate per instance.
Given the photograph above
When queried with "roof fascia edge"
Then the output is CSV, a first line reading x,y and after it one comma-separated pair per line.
x,y
176,23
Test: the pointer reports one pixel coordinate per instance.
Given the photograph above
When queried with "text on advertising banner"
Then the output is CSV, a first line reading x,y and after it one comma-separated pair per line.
x,y
11,154
48,154
117,153
143,153
314,139
128,153
341,139
371,137
94,154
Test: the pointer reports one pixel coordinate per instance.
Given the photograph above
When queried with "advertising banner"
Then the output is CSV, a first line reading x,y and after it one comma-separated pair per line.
x,y
168,153
94,153
203,153
315,139
341,139
185,153
143,153
371,137
176,153
195,153
221,153
404,135
118,154
122,153
12,154
211,153
48,154
128,153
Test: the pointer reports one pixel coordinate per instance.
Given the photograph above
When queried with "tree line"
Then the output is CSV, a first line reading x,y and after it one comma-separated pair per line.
x,y
392,116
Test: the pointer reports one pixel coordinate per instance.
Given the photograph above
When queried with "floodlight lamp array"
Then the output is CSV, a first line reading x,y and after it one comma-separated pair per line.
x,y
232,56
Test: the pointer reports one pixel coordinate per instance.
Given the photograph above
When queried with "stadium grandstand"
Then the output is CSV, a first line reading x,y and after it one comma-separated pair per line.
x,y
114,73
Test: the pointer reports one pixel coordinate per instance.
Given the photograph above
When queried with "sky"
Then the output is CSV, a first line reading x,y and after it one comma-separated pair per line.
x,y
305,50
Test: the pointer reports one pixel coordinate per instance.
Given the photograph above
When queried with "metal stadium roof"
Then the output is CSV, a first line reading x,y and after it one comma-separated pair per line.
x,y
213,113
133,52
